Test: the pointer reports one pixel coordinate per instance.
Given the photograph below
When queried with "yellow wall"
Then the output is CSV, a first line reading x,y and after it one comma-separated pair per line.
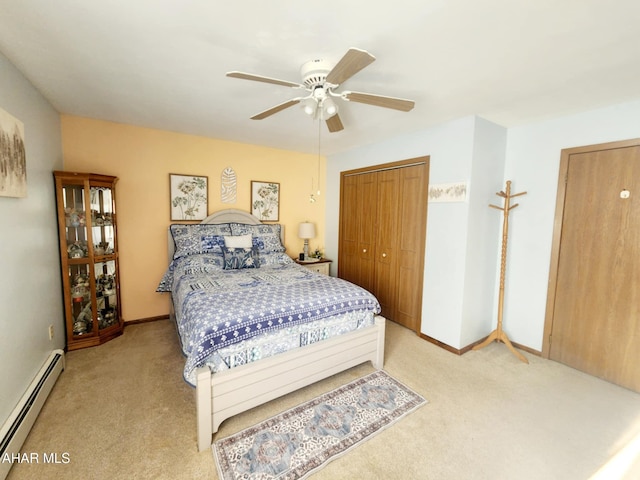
x,y
143,158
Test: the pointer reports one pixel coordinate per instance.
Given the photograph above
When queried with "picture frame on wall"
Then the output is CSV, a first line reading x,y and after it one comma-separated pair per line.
x,y
13,159
265,200
448,192
189,197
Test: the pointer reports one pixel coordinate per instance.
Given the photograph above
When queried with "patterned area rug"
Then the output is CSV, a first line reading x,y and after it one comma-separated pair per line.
x,y
297,442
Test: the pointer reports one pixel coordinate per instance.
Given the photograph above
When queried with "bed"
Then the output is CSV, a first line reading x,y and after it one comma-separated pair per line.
x,y
237,361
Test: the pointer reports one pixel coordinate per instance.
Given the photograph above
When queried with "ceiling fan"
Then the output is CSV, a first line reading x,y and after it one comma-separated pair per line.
x,y
319,81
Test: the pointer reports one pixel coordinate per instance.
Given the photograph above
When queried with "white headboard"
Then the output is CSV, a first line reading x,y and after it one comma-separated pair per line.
x,y
232,215
229,215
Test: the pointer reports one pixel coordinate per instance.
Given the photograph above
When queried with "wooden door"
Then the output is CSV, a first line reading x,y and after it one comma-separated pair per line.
x,y
367,206
357,229
593,313
412,224
386,227
383,218
349,217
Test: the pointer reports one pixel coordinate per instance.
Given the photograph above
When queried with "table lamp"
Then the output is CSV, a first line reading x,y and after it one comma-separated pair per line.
x,y
306,230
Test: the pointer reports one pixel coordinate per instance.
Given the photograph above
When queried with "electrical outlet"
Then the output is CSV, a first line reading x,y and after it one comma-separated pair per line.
x,y
50,332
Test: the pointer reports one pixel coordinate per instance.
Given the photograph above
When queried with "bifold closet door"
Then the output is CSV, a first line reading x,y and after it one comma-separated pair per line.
x,y
348,249
386,242
367,206
411,234
357,229
383,214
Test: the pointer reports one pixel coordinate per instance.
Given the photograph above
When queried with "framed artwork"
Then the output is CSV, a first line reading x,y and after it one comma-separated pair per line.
x,y
189,197
448,192
265,200
13,159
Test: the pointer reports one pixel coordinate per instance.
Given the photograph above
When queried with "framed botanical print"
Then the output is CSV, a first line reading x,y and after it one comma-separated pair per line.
x,y
189,197
265,200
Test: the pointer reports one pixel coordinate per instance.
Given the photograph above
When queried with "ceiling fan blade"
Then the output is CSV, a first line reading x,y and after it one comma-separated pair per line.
x,y
276,109
352,62
260,78
379,100
334,124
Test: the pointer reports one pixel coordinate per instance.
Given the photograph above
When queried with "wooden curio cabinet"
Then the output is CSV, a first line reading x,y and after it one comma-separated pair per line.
x,y
86,208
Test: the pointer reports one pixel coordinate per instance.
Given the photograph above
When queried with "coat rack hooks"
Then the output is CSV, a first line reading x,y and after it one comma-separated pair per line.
x,y
498,334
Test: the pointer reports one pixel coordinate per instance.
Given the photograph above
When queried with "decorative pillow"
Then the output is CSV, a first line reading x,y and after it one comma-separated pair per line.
x,y
237,258
274,258
238,241
198,264
193,239
190,265
266,238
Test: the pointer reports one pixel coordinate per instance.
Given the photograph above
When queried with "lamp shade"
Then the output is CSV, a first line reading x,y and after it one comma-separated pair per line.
x,y
306,230
329,108
309,106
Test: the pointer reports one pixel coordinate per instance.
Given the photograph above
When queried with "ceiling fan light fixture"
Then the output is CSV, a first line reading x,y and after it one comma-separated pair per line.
x,y
329,108
309,106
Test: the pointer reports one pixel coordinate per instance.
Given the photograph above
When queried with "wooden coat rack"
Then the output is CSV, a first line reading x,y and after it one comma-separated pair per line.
x,y
498,334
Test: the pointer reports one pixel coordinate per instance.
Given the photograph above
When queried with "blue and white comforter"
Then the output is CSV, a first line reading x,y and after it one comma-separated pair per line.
x,y
216,308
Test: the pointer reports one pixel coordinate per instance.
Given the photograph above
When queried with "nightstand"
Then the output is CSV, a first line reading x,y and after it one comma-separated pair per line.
x,y
320,266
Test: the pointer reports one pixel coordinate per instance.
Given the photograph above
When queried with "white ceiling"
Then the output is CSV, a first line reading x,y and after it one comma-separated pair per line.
x,y
162,63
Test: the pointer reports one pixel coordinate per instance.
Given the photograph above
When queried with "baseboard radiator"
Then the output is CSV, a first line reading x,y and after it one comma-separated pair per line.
x,y
17,427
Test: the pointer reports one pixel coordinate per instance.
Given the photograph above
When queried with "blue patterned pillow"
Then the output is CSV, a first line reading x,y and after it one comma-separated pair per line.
x,y
274,259
237,258
193,239
190,265
266,238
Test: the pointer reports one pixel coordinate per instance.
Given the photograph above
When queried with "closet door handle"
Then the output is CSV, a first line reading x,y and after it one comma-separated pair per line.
x,y
384,255
364,250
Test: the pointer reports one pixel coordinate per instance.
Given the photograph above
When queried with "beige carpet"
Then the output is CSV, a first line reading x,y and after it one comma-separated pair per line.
x,y
122,411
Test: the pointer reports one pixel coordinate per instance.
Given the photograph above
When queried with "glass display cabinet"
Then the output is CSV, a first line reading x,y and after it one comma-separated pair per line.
x,y
89,257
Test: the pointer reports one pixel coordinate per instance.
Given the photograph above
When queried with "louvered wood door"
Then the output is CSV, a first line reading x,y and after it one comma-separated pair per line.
x,y
596,301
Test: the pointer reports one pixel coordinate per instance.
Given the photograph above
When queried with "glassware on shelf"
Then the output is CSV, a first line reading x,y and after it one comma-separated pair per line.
x,y
84,321
77,250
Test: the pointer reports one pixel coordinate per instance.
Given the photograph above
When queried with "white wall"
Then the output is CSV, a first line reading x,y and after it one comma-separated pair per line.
x,y
30,286
484,231
533,161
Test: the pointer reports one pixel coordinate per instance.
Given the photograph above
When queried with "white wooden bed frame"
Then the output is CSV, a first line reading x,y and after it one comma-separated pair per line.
x,y
230,392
